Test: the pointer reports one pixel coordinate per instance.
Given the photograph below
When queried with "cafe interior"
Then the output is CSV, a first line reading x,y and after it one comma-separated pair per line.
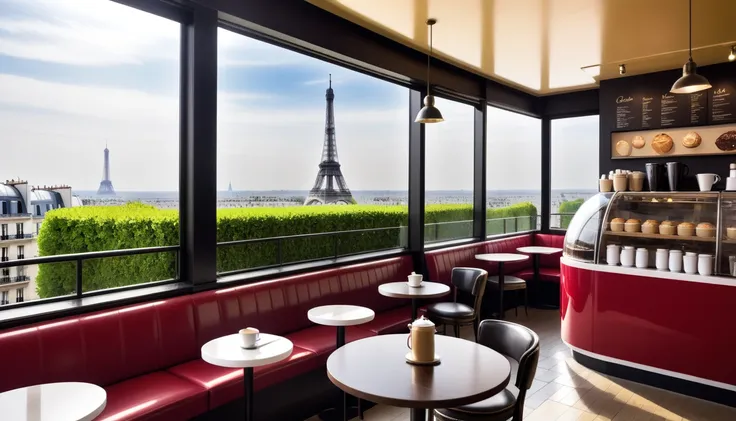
x,y
618,309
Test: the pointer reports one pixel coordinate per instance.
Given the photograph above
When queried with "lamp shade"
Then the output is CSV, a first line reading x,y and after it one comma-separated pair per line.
x,y
429,113
690,81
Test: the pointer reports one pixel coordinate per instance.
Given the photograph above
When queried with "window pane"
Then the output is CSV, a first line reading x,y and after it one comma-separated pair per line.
x,y
574,166
278,173
89,106
514,175
449,174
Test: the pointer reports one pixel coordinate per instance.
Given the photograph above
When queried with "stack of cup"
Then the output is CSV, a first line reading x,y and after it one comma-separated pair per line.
x,y
731,180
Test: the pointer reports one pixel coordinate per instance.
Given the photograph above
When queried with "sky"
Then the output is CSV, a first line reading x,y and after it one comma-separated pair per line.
x,y
78,75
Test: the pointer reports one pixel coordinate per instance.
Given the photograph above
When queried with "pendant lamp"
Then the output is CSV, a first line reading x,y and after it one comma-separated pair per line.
x,y
690,81
429,113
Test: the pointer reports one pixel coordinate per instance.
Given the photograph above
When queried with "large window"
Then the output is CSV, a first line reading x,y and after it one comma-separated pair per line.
x,y
574,144
89,110
449,174
312,158
513,170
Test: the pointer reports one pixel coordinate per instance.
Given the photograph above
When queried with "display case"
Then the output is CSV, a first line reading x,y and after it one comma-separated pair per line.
x,y
691,222
583,231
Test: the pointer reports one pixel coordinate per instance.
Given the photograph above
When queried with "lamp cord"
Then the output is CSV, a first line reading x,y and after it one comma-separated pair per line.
x,y
429,57
690,21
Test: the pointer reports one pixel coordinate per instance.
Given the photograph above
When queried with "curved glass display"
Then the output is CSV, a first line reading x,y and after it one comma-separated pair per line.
x,y
584,229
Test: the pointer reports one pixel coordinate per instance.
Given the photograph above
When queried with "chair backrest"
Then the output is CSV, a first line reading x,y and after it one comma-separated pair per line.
x,y
516,342
470,281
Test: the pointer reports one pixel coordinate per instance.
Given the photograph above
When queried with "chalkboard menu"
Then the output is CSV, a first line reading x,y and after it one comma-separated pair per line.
x,y
650,109
628,112
670,110
723,102
698,104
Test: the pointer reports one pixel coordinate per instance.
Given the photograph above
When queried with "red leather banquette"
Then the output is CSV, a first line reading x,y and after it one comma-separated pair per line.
x,y
147,357
440,262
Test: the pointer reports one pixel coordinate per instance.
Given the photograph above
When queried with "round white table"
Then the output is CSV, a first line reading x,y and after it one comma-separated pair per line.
x,y
403,290
227,352
501,258
70,401
537,251
341,315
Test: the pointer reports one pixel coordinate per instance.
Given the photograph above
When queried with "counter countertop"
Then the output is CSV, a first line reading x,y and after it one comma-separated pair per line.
x,y
650,273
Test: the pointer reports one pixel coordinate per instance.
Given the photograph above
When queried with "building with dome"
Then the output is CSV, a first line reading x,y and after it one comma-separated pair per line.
x,y
22,210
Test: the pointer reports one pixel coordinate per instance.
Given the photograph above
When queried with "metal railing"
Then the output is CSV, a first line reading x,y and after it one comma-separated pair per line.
x,y
14,279
336,243
21,235
15,215
81,257
560,216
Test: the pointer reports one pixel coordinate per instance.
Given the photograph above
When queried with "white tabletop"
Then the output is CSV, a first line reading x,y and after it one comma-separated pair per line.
x,y
226,351
340,315
502,257
54,401
403,290
539,250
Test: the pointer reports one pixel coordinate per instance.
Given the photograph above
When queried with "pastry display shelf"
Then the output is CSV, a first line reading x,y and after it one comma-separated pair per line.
x,y
663,236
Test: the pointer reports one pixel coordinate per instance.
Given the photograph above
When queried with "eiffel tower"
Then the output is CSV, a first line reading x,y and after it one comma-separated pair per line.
x,y
330,186
106,188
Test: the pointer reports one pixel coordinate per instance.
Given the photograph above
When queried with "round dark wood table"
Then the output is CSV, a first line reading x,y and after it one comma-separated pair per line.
x,y
375,369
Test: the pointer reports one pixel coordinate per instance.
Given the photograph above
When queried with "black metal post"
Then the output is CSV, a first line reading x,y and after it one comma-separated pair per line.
x,y
500,291
414,308
340,336
78,286
416,182
418,414
198,150
546,174
479,171
248,392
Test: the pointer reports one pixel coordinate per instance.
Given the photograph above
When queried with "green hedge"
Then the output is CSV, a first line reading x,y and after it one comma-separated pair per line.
x,y
569,206
97,228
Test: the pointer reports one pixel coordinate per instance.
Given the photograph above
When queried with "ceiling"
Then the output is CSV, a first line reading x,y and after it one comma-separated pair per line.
x,y
539,46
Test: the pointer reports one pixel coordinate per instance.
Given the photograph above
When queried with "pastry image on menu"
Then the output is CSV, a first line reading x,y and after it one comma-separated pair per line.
x,y
623,148
662,143
691,140
727,141
638,142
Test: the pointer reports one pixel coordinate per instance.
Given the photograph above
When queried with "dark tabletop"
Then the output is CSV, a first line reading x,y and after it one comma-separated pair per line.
x,y
375,369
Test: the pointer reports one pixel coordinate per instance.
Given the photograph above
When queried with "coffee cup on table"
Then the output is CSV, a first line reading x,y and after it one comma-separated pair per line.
x,y
249,337
415,279
706,181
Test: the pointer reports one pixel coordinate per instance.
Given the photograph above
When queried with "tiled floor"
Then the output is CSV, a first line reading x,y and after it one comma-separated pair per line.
x,y
563,390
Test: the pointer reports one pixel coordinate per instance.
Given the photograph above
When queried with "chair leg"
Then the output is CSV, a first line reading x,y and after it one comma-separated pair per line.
x,y
457,330
476,323
526,302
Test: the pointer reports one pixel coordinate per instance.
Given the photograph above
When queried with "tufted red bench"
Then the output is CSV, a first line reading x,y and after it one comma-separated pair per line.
x,y
440,262
147,357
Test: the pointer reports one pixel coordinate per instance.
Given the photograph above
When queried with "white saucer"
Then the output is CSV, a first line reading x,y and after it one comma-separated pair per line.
x,y
411,361
415,286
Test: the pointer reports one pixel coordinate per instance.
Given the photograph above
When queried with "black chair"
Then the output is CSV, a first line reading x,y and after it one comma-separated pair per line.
x,y
510,283
513,341
466,280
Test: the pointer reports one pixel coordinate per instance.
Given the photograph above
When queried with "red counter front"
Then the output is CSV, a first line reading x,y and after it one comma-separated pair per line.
x,y
682,327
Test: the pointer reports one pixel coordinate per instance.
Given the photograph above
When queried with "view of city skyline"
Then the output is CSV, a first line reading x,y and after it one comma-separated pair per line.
x,y
64,95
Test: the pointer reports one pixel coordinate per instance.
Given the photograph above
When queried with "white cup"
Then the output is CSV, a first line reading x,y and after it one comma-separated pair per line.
x,y
675,261
642,258
705,264
415,279
627,256
249,337
731,183
690,263
613,252
662,259
706,181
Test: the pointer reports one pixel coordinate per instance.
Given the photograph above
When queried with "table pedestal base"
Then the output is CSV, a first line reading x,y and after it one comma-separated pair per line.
x,y
418,414
248,392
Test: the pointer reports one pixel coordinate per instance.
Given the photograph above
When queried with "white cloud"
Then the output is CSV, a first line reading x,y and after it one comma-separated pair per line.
x,y
89,33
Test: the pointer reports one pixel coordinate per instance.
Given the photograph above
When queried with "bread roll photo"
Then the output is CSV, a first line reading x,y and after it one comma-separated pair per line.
x,y
662,143
691,140
727,141
638,142
623,148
